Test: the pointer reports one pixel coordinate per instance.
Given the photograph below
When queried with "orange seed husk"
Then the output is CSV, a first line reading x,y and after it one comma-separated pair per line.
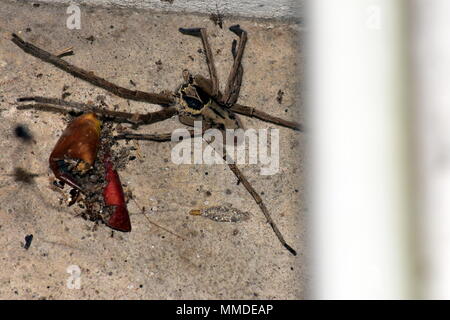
x,y
79,141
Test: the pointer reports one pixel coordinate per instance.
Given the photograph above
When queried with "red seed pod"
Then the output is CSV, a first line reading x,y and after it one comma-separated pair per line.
x,y
76,149
113,196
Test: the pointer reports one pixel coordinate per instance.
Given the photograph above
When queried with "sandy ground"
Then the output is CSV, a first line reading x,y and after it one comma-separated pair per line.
x,y
199,258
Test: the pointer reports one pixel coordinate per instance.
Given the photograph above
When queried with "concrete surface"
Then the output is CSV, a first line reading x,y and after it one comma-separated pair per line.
x,y
288,9
207,259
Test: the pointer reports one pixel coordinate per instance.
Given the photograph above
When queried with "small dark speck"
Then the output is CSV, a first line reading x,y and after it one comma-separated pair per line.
x,y
132,83
296,190
131,158
206,173
28,239
208,193
110,273
21,175
111,27
280,94
158,65
36,5
228,191
22,132
28,30
141,286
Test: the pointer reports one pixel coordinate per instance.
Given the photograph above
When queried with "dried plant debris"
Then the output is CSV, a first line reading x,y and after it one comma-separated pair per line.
x,y
217,17
88,185
93,203
222,214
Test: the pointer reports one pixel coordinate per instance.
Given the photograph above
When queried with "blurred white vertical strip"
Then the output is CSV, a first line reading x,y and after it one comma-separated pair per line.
x,y
360,216
431,28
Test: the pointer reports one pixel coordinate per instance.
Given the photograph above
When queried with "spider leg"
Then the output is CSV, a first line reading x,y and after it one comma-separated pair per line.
x,y
161,99
161,137
59,105
262,206
235,77
158,137
255,113
201,32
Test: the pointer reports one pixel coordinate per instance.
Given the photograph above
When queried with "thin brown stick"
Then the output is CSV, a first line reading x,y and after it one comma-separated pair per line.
x,y
59,105
90,77
163,228
155,224
255,113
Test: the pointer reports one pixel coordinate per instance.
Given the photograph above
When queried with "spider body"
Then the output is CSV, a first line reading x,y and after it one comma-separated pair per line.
x,y
196,104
